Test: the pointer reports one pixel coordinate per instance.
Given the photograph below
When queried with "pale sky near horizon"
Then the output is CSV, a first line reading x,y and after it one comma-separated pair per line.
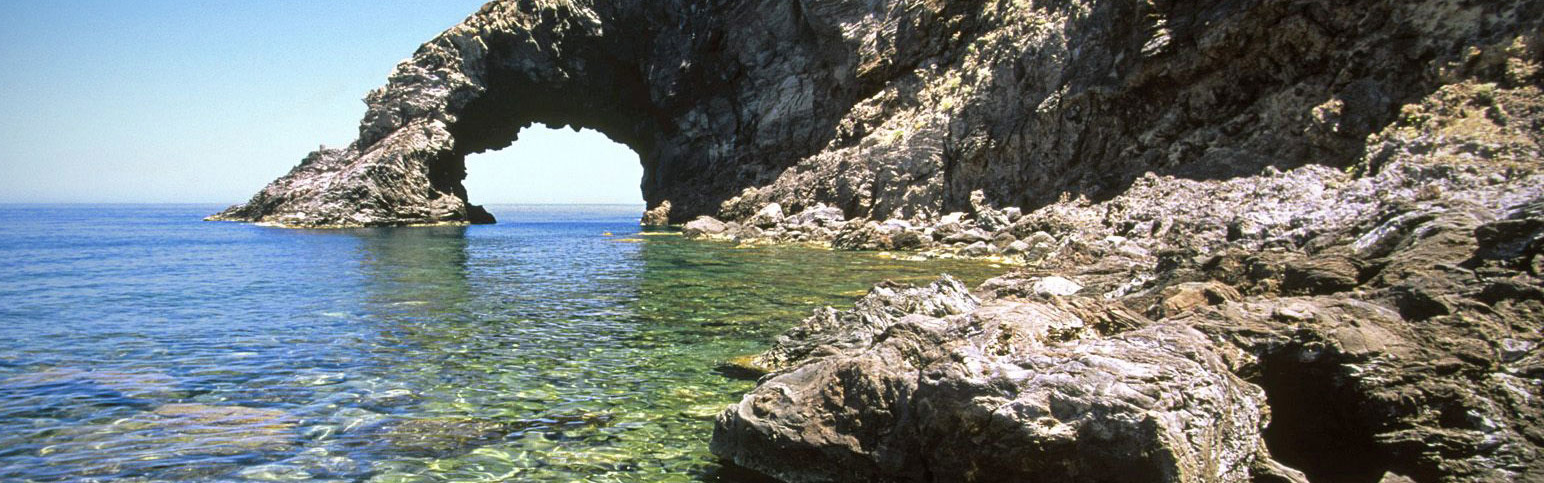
x,y
207,101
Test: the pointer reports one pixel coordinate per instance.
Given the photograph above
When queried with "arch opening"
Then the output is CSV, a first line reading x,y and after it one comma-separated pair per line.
x,y
547,165
601,96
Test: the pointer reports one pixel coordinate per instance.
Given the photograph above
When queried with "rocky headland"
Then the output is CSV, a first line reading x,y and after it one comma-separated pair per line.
x,y
1256,240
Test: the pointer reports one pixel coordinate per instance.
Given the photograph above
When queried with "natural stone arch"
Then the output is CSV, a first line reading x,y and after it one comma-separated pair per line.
x,y
469,90
672,89
897,108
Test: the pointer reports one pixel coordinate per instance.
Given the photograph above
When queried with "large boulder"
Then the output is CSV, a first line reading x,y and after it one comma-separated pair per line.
x,y
767,217
818,215
1020,392
704,226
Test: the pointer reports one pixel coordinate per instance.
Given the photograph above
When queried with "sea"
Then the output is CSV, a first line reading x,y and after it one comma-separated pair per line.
x,y
140,343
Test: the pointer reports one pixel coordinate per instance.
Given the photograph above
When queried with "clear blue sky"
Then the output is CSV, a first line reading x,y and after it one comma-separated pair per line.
x,y
207,101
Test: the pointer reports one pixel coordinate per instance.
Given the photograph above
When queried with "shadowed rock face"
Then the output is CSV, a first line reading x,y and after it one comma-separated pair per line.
x,y
897,108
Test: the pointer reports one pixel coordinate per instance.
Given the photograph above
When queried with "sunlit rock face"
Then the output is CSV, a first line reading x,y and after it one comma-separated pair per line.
x,y
896,108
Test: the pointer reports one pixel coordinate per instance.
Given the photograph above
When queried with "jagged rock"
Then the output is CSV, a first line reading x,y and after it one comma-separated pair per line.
x,y
820,215
1003,239
986,217
769,216
657,216
977,249
942,231
746,234
910,240
1013,213
881,307
1321,275
1016,248
1186,296
1055,286
1009,397
1423,360
704,226
867,236
969,236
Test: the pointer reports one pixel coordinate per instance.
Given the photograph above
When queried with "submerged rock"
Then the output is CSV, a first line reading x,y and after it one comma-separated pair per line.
x,y
147,385
442,436
446,436
193,429
219,429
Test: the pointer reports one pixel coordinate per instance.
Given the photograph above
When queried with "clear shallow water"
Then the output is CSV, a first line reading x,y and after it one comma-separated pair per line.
x,y
137,342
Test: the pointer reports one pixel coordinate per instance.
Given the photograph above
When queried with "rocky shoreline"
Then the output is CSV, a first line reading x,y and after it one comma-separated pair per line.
x,y
1373,324
1255,241
984,233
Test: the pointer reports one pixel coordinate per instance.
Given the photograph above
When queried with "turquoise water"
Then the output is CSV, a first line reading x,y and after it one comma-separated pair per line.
x,y
139,343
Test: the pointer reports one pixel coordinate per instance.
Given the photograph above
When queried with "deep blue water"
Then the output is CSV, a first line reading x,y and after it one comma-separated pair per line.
x,y
138,342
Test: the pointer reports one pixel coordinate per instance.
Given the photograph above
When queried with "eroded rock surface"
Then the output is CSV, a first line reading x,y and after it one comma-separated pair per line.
x,y
884,305
1014,391
1389,314
902,108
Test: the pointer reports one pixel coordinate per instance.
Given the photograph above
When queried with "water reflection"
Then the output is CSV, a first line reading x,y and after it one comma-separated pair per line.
x,y
423,267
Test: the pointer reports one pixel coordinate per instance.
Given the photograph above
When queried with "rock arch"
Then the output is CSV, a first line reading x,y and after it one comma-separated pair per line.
x,y
676,90
896,108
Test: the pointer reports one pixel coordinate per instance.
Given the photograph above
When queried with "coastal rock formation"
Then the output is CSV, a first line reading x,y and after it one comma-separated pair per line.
x,y
1391,314
900,108
1018,392
1260,240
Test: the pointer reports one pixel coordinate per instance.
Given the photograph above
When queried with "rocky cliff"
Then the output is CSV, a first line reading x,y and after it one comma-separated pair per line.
x,y
899,108
1261,240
